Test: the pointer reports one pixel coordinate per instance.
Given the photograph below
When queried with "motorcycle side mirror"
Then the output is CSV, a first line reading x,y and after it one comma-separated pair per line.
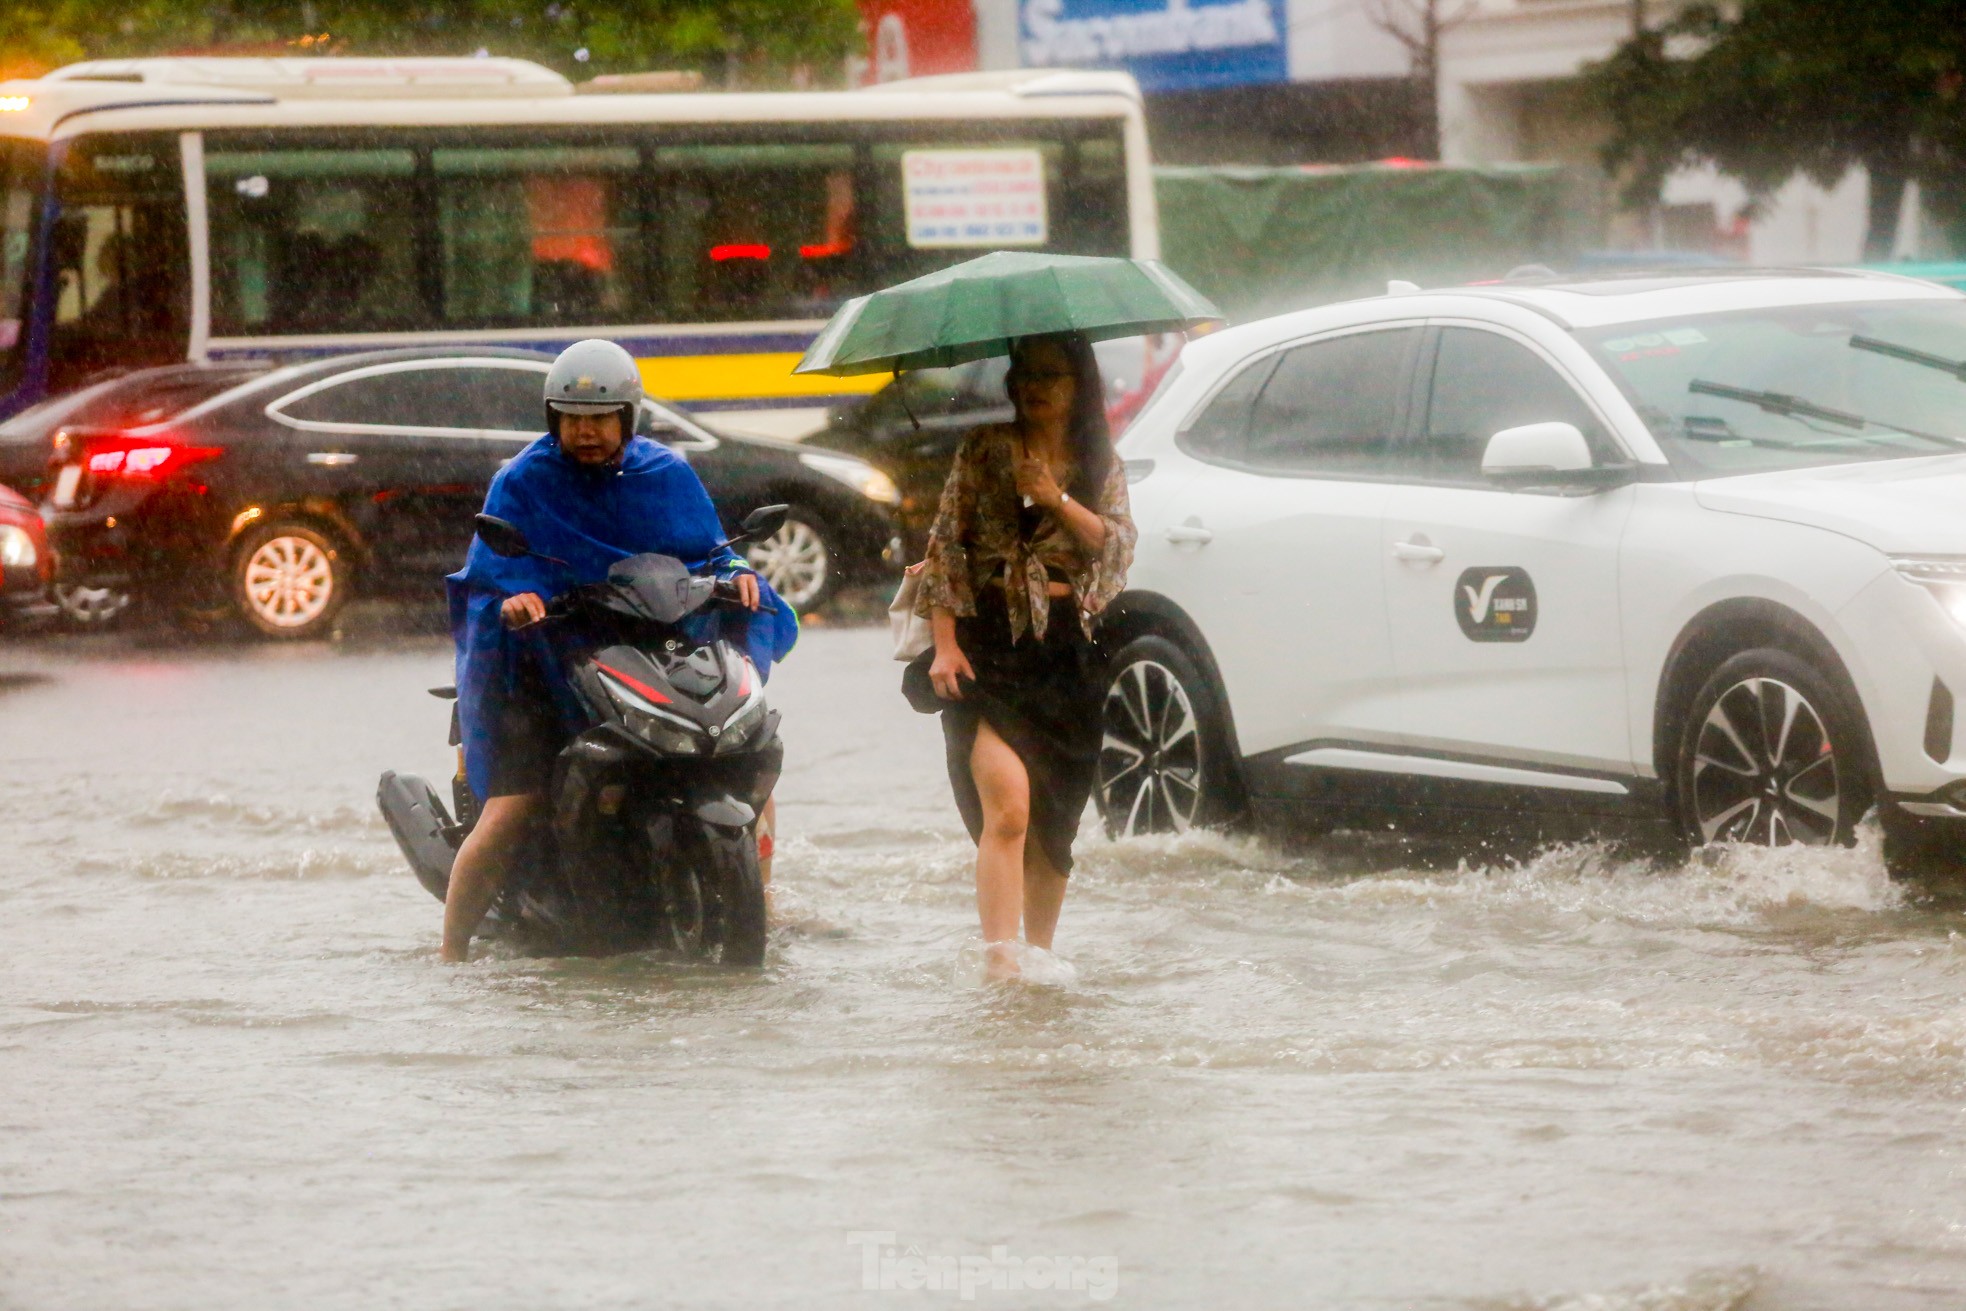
x,y
762,522
504,538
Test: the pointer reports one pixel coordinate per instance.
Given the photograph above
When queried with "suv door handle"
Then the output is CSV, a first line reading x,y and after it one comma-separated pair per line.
x,y
1418,551
1189,533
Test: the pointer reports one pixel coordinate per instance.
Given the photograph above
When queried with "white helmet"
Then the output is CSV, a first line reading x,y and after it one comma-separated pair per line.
x,y
593,377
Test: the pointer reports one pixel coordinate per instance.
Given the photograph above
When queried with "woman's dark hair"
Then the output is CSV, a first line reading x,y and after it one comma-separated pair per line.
x,y
1092,440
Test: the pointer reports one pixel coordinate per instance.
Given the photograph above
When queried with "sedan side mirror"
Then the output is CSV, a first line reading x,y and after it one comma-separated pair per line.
x,y
503,538
762,522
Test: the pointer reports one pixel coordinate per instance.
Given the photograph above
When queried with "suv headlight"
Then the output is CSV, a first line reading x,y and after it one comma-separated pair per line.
x,y
1944,576
857,474
16,547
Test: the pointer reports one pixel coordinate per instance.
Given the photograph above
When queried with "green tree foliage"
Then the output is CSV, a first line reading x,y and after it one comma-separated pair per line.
x,y
1766,89
756,41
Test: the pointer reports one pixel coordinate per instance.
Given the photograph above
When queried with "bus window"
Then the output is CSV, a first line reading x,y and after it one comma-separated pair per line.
x,y
20,188
313,237
539,235
1093,208
898,260
122,288
757,231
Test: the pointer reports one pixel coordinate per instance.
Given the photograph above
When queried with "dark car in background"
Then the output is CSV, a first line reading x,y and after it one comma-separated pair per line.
x,y
276,493
910,428
26,567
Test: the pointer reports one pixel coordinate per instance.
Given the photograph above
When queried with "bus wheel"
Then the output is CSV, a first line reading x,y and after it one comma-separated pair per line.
x,y
289,581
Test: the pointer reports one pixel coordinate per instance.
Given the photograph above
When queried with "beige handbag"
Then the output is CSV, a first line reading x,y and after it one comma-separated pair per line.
x,y
912,633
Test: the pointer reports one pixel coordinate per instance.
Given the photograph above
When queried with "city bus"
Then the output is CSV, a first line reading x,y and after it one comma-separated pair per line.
x,y
159,210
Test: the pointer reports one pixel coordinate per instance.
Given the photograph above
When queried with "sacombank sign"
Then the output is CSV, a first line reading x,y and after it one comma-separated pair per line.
x,y
1168,45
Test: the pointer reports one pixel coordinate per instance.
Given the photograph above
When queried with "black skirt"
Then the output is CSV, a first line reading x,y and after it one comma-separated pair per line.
x,y
1042,698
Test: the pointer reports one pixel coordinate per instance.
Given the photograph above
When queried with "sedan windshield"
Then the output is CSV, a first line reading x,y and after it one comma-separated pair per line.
x,y
1796,386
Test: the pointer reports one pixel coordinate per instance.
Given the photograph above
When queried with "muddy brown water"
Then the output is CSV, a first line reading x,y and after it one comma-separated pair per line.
x,y
1362,1075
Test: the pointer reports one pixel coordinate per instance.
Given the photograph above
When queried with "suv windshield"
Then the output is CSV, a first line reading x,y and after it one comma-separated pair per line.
x,y
1796,386
20,188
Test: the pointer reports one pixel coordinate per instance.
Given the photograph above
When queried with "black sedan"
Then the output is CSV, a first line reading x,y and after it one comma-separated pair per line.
x,y
275,493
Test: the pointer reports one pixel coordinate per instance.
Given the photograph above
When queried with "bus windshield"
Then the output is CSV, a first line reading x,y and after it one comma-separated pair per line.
x,y
20,188
1796,386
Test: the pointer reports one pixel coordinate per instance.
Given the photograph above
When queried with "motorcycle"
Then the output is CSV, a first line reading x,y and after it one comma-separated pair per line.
x,y
651,836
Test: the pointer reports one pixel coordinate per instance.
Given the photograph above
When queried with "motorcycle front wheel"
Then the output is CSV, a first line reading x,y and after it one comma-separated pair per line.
x,y
714,896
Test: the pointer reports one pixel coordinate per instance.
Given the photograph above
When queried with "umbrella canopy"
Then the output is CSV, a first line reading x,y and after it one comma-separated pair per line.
x,y
977,308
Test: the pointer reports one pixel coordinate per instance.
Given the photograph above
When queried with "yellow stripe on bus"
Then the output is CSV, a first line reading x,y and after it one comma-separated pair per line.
x,y
744,377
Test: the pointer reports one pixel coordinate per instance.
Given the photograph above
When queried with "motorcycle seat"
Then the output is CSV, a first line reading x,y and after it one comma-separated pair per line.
x,y
444,693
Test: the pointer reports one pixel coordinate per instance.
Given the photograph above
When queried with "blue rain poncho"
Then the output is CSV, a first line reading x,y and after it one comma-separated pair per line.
x,y
649,501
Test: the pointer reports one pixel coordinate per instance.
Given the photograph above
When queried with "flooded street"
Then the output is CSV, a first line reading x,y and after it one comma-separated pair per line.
x,y
1360,1076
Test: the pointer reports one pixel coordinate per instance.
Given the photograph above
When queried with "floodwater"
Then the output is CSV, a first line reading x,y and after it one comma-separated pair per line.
x,y
235,1076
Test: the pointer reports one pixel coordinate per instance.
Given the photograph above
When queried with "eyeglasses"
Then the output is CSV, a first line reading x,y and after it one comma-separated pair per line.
x,y
1019,377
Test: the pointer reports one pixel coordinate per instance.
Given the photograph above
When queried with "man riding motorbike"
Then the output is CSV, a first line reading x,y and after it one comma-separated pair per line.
x,y
587,494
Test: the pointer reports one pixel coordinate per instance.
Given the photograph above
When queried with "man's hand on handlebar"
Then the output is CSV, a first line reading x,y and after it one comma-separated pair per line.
x,y
741,587
523,610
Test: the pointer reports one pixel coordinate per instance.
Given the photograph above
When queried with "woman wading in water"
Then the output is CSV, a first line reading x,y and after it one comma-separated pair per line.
x,y
1031,542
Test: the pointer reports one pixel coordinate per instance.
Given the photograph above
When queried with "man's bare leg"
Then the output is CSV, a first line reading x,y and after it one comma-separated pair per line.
x,y
480,869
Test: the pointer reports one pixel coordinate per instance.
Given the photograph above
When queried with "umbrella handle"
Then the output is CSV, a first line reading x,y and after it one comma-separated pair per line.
x,y
906,408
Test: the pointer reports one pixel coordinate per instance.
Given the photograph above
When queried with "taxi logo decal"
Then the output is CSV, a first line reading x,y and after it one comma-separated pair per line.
x,y
1496,603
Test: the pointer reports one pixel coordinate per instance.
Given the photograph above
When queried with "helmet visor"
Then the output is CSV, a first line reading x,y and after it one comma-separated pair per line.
x,y
577,407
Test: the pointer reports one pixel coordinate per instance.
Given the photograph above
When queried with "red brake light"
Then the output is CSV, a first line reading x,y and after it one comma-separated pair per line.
x,y
143,457
740,250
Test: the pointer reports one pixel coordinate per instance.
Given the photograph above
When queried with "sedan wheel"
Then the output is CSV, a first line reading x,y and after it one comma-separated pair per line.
x,y
1162,768
92,607
797,561
289,581
1771,757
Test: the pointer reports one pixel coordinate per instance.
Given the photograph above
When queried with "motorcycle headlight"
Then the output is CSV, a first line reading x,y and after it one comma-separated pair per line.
x,y
16,547
663,735
1944,576
857,474
742,726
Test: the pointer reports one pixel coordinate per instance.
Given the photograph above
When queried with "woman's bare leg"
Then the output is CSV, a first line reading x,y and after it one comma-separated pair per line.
x,y
1004,789
1044,895
480,868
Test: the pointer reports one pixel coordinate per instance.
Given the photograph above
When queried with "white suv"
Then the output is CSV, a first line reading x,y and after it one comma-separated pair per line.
x,y
1572,557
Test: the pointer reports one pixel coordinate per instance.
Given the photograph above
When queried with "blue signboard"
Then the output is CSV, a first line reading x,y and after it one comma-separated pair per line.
x,y
1168,45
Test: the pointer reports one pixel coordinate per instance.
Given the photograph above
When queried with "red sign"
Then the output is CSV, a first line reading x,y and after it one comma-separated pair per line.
x,y
916,38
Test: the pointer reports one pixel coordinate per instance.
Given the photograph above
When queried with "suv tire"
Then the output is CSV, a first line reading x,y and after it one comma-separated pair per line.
x,y
1772,752
289,581
1165,765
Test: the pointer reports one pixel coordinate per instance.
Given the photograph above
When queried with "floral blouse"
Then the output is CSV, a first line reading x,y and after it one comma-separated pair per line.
x,y
977,538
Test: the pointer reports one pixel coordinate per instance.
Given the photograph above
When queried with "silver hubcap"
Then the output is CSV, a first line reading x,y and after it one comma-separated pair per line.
x,y
794,560
1150,758
289,581
91,606
1764,769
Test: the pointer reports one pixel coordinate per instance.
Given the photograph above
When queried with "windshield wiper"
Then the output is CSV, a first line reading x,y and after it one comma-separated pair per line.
x,y
1775,402
1957,368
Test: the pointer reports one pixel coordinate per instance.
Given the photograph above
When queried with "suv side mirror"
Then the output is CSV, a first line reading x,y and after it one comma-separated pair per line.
x,y
1536,449
503,538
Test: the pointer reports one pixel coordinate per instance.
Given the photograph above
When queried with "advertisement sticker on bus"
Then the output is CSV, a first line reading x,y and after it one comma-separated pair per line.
x,y
974,198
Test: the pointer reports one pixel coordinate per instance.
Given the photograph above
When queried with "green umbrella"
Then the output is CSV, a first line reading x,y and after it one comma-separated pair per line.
x,y
977,308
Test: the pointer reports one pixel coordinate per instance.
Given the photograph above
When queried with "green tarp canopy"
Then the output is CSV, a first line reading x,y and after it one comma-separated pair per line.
x,y
1259,241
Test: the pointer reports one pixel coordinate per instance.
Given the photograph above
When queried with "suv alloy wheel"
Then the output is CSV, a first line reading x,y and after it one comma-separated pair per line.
x,y
1772,754
1163,758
